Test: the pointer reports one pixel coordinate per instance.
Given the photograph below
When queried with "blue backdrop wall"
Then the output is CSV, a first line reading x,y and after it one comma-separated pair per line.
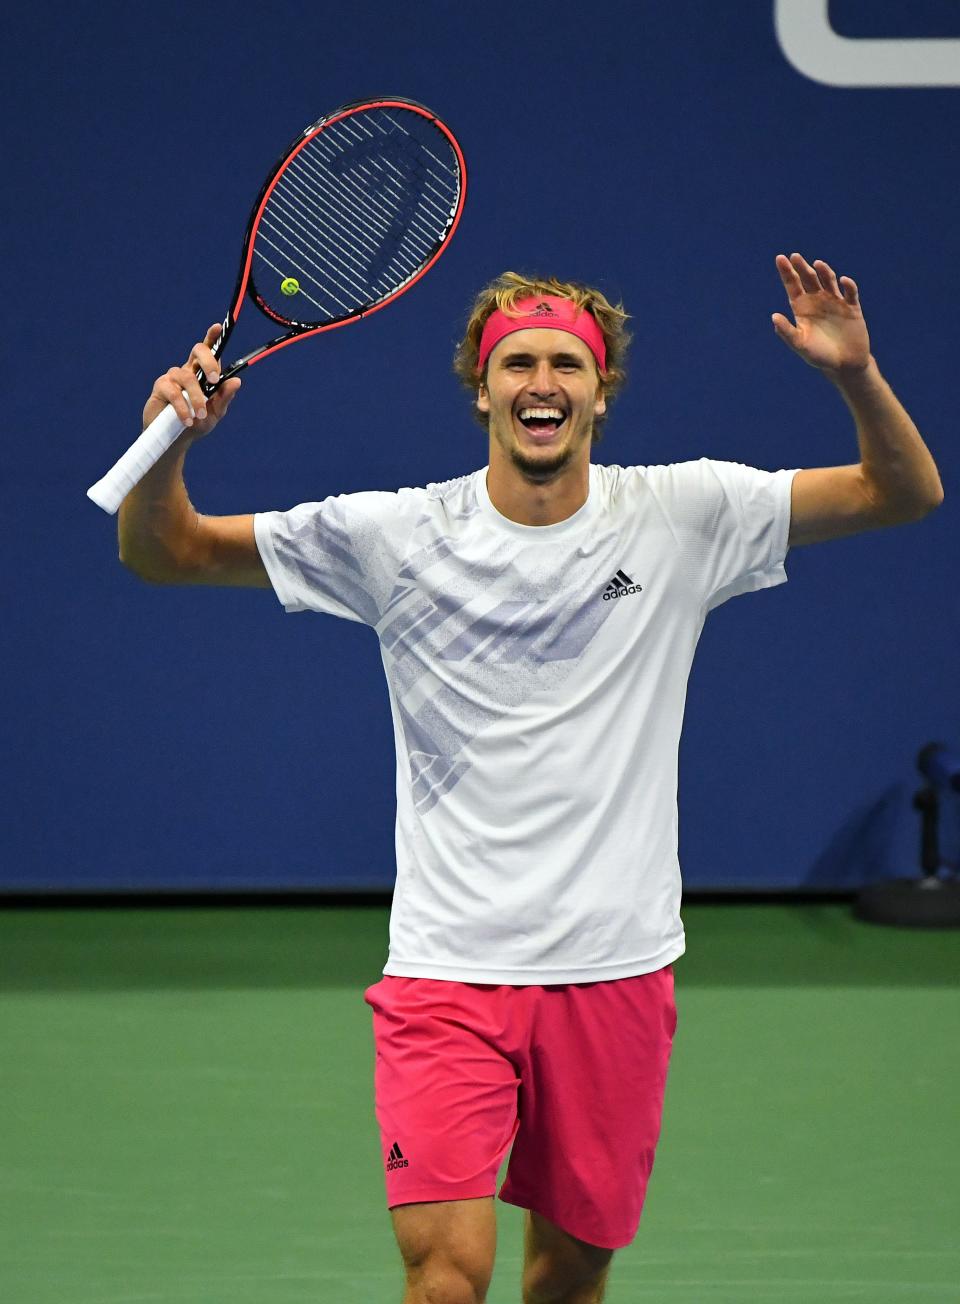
x,y
665,150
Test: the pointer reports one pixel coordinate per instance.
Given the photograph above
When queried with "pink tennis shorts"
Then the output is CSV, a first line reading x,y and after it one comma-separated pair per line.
x,y
572,1075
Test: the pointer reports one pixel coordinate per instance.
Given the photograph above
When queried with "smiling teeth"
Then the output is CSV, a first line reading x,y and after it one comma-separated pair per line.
x,y
542,414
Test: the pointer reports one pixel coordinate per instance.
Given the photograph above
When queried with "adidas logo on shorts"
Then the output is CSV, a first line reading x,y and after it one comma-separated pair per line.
x,y
396,1159
620,586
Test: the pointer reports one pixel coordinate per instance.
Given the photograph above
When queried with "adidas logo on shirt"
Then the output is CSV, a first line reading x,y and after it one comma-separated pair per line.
x,y
620,586
396,1159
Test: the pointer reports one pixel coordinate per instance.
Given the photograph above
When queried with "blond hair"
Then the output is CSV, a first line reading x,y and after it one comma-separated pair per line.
x,y
503,293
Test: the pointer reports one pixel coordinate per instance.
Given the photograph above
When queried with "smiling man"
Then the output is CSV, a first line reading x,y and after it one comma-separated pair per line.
x,y
544,377
537,619
542,393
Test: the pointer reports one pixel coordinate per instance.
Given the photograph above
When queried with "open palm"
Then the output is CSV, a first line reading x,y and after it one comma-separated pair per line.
x,y
830,332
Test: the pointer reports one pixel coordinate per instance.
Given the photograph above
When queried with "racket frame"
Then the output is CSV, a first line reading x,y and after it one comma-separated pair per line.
x,y
245,288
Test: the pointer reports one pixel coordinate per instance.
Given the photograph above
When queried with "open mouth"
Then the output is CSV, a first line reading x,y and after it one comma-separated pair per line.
x,y
542,421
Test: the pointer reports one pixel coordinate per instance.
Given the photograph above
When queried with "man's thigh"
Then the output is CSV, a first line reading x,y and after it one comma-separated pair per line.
x,y
447,1238
445,1089
587,1138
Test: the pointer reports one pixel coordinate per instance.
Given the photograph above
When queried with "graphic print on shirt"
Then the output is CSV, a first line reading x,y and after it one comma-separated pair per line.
x,y
337,556
510,621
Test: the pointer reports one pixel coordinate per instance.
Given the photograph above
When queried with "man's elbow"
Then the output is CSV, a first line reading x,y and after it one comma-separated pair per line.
x,y
150,574
910,514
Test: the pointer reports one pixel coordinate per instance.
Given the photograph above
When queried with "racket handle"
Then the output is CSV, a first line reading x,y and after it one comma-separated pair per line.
x,y
159,435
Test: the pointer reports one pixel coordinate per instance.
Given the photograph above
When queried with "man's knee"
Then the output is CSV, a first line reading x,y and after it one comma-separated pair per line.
x,y
448,1249
545,1283
438,1283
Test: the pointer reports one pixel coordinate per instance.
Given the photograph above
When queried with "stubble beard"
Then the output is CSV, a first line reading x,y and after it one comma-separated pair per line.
x,y
541,470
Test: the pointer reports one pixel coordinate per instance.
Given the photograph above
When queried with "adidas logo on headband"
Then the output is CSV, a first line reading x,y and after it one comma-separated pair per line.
x,y
554,312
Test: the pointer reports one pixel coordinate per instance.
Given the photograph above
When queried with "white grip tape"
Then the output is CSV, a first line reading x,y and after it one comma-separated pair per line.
x,y
162,431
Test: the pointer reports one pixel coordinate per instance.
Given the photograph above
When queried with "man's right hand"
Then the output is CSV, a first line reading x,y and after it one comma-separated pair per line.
x,y
169,388
162,538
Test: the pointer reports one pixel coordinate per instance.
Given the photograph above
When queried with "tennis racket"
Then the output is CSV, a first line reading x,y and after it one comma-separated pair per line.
x,y
353,213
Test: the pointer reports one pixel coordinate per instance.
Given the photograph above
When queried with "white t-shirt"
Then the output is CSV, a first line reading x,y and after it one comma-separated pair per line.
x,y
537,679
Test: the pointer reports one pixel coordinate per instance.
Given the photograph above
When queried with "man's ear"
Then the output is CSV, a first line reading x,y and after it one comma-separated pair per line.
x,y
483,398
600,403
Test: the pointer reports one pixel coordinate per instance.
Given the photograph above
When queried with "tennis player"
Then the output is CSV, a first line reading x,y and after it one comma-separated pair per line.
x,y
538,619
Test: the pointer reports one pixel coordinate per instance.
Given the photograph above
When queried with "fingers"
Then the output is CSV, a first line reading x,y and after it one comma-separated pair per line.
x,y
808,277
828,277
181,387
195,391
221,398
170,387
800,277
786,330
850,288
202,356
790,277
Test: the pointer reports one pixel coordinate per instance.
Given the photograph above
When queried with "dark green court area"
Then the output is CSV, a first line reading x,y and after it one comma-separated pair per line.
x,y
187,1112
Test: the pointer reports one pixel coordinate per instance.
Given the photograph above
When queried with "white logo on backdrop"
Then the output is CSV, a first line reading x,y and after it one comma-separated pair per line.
x,y
810,43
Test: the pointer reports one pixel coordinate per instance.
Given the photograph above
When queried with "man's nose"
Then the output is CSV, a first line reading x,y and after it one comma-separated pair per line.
x,y
542,381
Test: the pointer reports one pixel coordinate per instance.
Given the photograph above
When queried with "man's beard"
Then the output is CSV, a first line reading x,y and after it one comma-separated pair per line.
x,y
541,470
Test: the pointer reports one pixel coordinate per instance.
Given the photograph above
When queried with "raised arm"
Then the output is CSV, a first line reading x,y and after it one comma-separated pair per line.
x,y
162,538
896,480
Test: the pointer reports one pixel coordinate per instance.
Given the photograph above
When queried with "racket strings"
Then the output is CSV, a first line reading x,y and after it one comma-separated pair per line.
x,y
381,172
370,225
375,219
285,213
357,212
312,216
374,202
416,155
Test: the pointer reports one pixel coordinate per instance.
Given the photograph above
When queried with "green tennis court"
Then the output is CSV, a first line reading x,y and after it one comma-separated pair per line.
x,y
188,1112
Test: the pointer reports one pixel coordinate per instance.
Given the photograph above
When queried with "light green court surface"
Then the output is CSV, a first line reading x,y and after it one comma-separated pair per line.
x,y
187,1113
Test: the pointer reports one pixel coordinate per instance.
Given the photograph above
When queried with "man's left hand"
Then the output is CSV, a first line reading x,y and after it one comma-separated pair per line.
x,y
830,332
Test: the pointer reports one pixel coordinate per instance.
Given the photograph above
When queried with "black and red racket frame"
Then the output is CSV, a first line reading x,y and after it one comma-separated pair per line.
x,y
300,330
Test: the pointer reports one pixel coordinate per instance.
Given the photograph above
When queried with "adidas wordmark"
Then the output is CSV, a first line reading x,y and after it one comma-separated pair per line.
x,y
396,1159
620,586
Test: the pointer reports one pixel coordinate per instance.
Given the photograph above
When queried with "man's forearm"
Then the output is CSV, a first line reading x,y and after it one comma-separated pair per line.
x,y
897,464
156,519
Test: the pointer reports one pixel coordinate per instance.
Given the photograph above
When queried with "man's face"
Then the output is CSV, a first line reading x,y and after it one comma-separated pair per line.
x,y
542,394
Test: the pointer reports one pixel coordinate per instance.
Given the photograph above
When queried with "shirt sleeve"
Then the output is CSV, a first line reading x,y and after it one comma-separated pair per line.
x,y
734,523
340,556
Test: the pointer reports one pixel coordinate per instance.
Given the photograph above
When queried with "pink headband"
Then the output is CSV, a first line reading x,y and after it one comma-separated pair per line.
x,y
546,312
